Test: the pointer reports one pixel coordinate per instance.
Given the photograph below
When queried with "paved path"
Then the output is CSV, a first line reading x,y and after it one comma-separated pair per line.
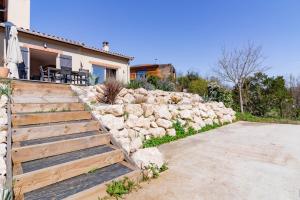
x,y
235,162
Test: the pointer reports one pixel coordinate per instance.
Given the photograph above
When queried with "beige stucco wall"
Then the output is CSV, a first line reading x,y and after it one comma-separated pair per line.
x,y
18,12
80,56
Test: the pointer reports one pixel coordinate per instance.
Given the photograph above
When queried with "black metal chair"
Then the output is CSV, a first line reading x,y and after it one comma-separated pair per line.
x,y
66,75
44,74
83,76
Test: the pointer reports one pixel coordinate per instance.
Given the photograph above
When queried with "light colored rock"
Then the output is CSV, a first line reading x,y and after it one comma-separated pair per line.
x,y
134,109
171,132
157,132
186,114
120,133
195,126
141,91
164,123
2,139
185,107
208,121
135,144
128,98
148,109
2,150
162,111
144,157
131,121
3,101
153,125
116,110
112,122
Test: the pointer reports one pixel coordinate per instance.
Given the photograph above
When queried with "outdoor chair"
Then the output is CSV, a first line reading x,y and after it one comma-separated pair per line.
x,y
83,76
44,74
66,75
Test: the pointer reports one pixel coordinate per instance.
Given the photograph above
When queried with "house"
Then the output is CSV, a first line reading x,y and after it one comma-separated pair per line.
x,y
163,71
41,49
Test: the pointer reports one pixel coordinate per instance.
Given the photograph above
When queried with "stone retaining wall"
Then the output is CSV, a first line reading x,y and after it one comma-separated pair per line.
x,y
139,115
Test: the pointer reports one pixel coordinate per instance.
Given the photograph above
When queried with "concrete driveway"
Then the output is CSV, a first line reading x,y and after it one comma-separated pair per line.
x,y
238,161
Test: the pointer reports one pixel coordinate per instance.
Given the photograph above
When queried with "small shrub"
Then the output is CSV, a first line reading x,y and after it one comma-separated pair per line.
x,y
134,84
110,91
153,169
154,80
119,188
166,85
6,194
198,86
163,168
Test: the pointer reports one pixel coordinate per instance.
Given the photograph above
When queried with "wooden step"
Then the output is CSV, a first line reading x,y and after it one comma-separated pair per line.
x,y
56,129
27,153
45,107
33,86
44,99
71,188
41,163
55,138
47,176
50,117
99,191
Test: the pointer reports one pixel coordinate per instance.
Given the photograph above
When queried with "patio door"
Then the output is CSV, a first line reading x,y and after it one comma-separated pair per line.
x,y
99,72
65,61
23,67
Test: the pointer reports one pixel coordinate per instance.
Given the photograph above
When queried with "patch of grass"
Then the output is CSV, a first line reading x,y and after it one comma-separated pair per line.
x,y
251,118
119,188
180,133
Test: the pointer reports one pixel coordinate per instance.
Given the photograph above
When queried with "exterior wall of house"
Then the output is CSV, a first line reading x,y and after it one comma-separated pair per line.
x,y
18,12
162,71
80,56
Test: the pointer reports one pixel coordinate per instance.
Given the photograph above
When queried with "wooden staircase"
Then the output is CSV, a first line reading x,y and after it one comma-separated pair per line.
x,y
58,150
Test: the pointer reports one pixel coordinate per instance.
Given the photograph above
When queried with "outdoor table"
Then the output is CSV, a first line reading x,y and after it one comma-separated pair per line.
x,y
74,74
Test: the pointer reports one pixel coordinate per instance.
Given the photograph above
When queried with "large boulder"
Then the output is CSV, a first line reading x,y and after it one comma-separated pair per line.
x,y
112,122
186,114
134,109
164,123
128,98
148,109
157,132
144,157
162,111
116,110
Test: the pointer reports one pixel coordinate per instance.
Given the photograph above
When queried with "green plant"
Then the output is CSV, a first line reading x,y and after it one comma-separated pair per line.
x,y
87,107
93,170
166,85
93,79
180,133
5,90
111,90
163,168
53,110
93,102
119,188
134,84
198,86
126,115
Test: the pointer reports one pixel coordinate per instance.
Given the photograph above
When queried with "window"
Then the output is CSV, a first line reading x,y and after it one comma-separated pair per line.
x,y
99,73
140,75
111,73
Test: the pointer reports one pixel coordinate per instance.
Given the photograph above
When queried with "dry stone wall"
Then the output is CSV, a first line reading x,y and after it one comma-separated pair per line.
x,y
3,138
139,115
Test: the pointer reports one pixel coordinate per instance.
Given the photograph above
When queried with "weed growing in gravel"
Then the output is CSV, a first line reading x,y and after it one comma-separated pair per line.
x,y
119,188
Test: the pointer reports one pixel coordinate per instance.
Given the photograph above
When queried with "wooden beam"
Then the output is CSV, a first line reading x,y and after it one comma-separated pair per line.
x,y
52,117
44,99
31,133
99,191
38,151
45,107
47,176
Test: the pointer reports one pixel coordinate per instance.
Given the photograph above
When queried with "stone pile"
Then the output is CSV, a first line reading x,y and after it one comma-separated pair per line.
x,y
140,115
3,138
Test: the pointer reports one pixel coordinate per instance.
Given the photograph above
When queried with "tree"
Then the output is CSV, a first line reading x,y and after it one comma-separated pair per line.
x,y
237,65
198,86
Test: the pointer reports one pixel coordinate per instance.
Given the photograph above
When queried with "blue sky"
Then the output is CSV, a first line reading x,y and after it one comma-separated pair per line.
x,y
187,33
